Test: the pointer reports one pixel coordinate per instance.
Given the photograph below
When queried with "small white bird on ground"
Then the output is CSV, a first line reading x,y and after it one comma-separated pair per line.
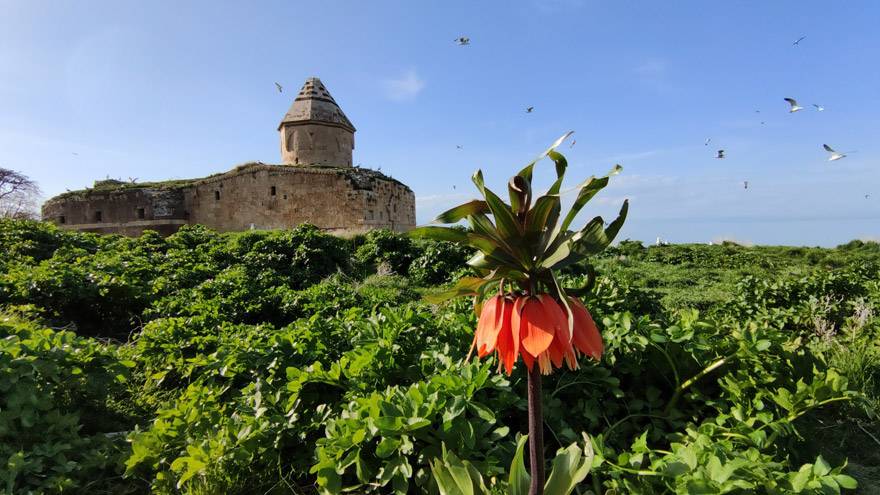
x,y
819,108
794,105
463,41
834,155
280,88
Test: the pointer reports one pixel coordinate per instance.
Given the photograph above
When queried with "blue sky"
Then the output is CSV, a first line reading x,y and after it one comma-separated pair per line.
x,y
159,90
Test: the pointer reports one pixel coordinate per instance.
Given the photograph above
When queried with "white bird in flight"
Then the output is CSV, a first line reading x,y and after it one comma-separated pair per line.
x,y
529,109
794,105
463,40
834,155
819,108
707,141
280,88
798,42
720,154
745,184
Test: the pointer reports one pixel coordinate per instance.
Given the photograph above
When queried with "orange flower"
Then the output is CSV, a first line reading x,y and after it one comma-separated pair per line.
x,y
494,332
586,337
543,327
535,327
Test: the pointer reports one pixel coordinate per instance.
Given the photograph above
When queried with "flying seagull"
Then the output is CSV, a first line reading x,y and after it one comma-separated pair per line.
x,y
834,155
707,141
745,184
720,154
458,146
819,108
867,196
280,88
75,153
762,122
463,40
794,105
132,180
572,143
798,42
529,109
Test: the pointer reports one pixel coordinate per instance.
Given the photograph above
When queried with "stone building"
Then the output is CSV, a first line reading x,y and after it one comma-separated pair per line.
x,y
315,184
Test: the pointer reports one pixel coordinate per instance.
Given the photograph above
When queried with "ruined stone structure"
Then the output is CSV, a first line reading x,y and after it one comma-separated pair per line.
x,y
315,184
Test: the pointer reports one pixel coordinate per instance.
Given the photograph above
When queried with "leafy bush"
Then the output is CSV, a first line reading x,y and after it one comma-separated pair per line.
x,y
393,250
56,431
256,359
438,262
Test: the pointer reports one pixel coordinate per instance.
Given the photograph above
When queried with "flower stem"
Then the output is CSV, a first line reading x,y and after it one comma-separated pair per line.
x,y
536,432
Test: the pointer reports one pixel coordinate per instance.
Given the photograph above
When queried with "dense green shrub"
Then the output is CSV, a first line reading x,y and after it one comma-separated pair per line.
x,y
383,248
438,262
56,430
280,362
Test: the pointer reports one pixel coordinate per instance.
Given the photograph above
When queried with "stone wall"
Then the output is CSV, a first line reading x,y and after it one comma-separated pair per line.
x,y
316,144
127,211
341,200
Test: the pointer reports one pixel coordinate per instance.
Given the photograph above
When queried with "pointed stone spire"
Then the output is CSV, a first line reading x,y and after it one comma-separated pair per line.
x,y
314,104
315,132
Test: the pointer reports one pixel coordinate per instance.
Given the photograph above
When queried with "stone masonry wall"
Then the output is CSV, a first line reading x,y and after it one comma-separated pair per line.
x,y
274,197
127,211
341,200
316,144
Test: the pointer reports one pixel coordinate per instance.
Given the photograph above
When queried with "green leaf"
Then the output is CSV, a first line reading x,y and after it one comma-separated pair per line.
x,y
505,221
526,172
593,239
570,467
800,479
462,211
560,162
519,479
440,234
586,191
845,481
520,192
466,286
821,468
387,446
453,476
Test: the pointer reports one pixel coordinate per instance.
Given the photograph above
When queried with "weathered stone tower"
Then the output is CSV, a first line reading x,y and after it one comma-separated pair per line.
x,y
315,132
316,184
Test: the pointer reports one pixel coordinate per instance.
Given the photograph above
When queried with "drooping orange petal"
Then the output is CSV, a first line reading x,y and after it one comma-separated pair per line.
x,y
561,349
507,343
528,360
538,325
489,325
586,334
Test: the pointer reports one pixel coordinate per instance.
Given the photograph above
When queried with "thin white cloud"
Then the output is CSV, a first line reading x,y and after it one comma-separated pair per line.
x,y
404,88
651,68
441,199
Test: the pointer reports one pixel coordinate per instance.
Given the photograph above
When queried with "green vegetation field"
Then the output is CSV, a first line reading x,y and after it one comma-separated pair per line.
x,y
298,362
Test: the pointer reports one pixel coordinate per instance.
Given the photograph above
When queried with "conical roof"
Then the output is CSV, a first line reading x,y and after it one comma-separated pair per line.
x,y
314,104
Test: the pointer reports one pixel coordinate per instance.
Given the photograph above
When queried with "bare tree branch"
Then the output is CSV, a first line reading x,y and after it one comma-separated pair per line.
x,y
18,195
